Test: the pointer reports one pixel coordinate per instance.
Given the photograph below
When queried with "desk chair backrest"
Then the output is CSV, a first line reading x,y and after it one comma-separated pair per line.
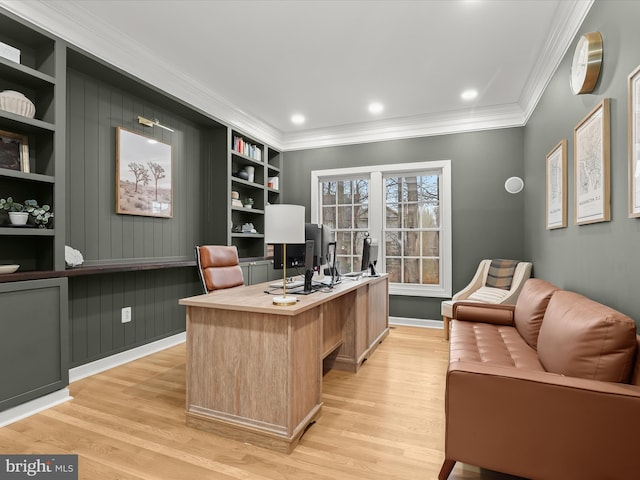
x,y
218,267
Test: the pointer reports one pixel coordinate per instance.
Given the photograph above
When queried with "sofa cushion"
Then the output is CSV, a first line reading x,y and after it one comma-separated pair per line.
x,y
530,307
582,338
491,344
500,274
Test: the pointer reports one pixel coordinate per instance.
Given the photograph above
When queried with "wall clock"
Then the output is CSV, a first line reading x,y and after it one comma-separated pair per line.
x,y
586,64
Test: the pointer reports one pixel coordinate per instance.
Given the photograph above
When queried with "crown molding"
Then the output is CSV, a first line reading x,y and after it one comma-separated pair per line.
x,y
74,24
567,23
488,118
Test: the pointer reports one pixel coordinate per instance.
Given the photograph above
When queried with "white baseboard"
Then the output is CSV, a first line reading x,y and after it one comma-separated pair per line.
x,y
83,371
416,322
27,409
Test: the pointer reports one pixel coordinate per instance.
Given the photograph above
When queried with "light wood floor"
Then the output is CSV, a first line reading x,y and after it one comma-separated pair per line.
x,y
385,422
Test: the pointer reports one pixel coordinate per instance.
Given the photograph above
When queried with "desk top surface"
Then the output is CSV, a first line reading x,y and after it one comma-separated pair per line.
x,y
254,298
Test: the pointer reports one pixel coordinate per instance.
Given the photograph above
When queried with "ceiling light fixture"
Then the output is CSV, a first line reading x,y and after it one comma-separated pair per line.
x,y
297,119
469,94
376,107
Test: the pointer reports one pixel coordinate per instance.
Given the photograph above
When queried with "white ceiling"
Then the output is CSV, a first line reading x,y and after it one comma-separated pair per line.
x,y
254,63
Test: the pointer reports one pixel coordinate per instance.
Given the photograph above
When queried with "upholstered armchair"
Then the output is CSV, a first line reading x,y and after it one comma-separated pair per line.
x,y
218,267
495,281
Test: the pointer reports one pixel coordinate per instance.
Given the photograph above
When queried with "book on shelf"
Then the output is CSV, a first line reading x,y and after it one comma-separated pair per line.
x,y
247,149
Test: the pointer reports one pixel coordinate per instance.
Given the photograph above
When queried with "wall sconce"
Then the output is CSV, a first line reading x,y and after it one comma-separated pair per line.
x,y
152,123
514,185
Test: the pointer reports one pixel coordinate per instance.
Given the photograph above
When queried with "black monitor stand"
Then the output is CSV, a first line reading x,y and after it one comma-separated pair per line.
x,y
372,269
308,265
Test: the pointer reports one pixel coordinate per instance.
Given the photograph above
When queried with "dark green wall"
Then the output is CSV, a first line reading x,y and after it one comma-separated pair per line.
x,y
599,260
95,107
487,221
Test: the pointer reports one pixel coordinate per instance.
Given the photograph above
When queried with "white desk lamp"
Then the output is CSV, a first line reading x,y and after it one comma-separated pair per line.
x,y
284,224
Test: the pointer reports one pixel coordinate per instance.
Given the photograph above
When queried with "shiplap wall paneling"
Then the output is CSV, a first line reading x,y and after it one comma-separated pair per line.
x,y
95,310
95,109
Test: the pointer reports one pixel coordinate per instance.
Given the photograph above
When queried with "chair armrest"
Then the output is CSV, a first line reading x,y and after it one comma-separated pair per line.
x,y
475,283
496,314
520,276
508,419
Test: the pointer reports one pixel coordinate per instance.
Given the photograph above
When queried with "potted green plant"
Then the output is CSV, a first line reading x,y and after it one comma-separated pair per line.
x,y
41,214
17,215
248,202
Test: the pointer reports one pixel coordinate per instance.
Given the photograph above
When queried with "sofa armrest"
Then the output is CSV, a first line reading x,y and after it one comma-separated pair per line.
x,y
496,314
539,424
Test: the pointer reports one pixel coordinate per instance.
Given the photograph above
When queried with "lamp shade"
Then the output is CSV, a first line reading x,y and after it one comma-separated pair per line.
x,y
284,223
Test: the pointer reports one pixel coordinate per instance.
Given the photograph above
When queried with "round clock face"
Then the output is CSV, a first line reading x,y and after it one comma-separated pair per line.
x,y
585,67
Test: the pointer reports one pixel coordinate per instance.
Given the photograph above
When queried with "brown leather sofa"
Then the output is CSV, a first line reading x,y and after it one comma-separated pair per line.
x,y
546,389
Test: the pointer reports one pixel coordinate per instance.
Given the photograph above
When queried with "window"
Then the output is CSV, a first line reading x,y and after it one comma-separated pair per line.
x,y
407,207
345,208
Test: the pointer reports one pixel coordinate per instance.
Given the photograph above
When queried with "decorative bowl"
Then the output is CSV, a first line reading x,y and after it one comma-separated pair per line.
x,y
8,268
16,102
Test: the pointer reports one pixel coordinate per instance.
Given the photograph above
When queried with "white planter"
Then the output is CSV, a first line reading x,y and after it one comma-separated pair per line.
x,y
18,218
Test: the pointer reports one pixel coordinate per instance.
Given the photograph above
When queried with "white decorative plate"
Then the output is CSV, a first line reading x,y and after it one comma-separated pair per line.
x,y
8,268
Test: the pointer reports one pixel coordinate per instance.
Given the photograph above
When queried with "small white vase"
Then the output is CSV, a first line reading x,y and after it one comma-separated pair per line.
x,y
18,218
251,172
16,102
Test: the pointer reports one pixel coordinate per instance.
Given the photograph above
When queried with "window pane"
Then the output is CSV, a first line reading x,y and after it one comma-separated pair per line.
x,y
361,216
411,244
344,217
329,216
430,189
343,262
328,193
393,215
430,216
358,240
343,243
430,244
411,270
361,191
393,247
411,215
344,192
394,269
431,271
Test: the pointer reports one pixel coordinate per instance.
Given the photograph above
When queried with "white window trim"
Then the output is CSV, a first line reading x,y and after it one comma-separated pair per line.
x,y
376,200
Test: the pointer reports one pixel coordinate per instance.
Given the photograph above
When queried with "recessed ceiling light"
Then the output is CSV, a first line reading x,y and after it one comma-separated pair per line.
x,y
469,94
376,107
297,119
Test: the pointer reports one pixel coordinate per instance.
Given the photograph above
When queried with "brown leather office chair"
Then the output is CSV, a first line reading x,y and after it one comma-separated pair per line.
x,y
218,267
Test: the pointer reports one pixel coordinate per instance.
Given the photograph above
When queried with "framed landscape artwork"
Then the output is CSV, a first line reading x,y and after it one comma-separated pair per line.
x,y
143,175
591,166
634,143
14,151
557,186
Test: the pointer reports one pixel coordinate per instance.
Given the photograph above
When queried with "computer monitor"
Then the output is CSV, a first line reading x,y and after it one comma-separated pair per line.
x,y
295,255
321,236
296,252
369,256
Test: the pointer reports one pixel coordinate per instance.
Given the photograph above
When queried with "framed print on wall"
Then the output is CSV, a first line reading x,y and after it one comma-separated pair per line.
x,y
557,186
143,175
591,166
634,143
14,151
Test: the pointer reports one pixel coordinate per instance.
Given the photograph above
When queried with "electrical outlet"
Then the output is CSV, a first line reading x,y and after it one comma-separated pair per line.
x,y
126,314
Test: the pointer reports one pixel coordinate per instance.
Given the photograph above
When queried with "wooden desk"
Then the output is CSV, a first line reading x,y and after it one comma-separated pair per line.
x,y
254,370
